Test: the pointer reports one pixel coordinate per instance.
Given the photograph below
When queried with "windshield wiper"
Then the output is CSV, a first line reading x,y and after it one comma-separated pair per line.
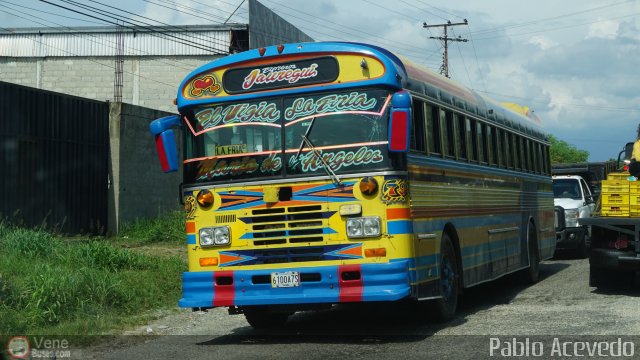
x,y
306,133
326,166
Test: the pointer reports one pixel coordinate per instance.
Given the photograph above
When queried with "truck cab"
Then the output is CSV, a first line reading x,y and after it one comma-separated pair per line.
x,y
573,201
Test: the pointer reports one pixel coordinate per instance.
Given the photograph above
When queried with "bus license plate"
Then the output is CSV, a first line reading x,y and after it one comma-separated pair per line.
x,y
285,279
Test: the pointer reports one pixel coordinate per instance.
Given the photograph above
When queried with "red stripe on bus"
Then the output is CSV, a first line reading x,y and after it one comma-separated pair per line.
x,y
191,227
351,289
223,295
394,214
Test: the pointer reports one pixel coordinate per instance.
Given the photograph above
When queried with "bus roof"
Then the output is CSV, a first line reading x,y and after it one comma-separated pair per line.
x,y
214,82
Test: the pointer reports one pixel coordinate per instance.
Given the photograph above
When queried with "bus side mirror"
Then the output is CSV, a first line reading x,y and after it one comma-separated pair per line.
x,y
165,139
400,122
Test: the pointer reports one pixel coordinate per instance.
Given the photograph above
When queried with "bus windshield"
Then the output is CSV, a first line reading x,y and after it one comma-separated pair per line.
x,y
288,136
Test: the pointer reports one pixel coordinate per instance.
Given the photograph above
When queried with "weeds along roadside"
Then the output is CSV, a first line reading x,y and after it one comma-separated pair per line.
x,y
50,285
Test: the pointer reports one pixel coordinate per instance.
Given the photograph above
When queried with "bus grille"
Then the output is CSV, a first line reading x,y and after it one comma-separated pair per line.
x,y
287,225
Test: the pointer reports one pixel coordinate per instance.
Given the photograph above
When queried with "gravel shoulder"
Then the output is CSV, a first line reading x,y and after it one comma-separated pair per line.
x,y
561,304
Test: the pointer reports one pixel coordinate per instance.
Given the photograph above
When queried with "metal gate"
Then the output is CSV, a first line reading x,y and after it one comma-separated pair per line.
x,y
54,151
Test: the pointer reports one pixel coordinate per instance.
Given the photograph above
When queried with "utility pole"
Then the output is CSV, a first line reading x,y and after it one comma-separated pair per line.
x,y
444,69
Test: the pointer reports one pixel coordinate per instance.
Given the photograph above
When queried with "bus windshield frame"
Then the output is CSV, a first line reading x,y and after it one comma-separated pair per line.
x,y
289,136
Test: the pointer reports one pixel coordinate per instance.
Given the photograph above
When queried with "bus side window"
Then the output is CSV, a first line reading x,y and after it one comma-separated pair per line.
x,y
418,127
462,136
491,155
540,158
433,130
448,135
506,149
495,146
472,140
516,152
482,154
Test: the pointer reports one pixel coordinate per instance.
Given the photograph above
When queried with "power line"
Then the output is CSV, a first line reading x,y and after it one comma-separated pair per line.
x,y
93,61
463,62
234,11
146,26
89,37
274,36
558,28
444,11
391,10
54,14
475,54
182,29
563,16
149,29
390,44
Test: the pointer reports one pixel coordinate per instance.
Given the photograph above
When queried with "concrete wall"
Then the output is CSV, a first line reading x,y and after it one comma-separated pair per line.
x,y
139,188
151,82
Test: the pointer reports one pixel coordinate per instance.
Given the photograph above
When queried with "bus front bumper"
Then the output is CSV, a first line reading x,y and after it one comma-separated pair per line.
x,y
324,284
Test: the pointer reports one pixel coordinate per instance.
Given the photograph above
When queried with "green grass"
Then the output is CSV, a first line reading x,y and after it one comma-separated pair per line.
x,y
50,285
168,228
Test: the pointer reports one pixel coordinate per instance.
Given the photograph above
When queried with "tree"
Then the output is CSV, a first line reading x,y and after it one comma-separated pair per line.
x,y
563,152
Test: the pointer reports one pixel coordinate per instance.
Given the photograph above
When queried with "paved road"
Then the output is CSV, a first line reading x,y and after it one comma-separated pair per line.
x,y
560,309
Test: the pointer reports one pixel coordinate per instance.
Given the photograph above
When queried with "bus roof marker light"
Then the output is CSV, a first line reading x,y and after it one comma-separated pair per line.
x,y
261,51
363,64
280,48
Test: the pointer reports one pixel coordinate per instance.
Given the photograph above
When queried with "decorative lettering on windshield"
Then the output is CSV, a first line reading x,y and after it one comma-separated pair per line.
x,y
211,168
262,112
336,160
354,101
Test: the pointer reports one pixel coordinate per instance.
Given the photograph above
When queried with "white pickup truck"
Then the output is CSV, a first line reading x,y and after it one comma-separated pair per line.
x,y
573,201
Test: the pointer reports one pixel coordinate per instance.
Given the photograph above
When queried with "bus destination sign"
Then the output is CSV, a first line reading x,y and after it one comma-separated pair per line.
x,y
282,75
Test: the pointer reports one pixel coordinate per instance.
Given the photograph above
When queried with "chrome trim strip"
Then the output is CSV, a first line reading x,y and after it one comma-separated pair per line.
x,y
426,236
504,230
287,181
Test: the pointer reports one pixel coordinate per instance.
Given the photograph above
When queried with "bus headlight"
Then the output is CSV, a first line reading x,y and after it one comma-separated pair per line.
x,y
571,217
363,227
216,236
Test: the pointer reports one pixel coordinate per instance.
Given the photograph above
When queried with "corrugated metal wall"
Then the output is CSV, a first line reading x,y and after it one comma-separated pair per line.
x,y
194,41
54,152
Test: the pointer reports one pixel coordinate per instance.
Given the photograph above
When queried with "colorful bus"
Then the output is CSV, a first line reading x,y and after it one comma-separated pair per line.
x,y
326,173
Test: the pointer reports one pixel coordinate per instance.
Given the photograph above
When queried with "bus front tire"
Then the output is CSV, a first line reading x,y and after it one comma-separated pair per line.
x,y
261,317
444,308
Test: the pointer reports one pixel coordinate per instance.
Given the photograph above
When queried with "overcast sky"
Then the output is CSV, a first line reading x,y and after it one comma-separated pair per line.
x,y
575,62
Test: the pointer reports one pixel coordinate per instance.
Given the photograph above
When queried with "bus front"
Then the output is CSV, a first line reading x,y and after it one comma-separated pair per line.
x,y
294,180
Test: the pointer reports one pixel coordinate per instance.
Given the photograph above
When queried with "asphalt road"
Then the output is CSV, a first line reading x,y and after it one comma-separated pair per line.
x,y
501,316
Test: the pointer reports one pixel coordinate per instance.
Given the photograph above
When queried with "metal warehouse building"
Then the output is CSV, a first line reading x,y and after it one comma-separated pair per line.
x,y
93,164
137,65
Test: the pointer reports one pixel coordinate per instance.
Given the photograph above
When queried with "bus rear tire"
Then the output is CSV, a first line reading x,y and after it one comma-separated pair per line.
x,y
444,308
261,317
531,275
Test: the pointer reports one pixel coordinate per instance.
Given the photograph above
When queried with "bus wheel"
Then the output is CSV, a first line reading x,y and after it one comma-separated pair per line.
x,y
261,317
444,309
531,275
